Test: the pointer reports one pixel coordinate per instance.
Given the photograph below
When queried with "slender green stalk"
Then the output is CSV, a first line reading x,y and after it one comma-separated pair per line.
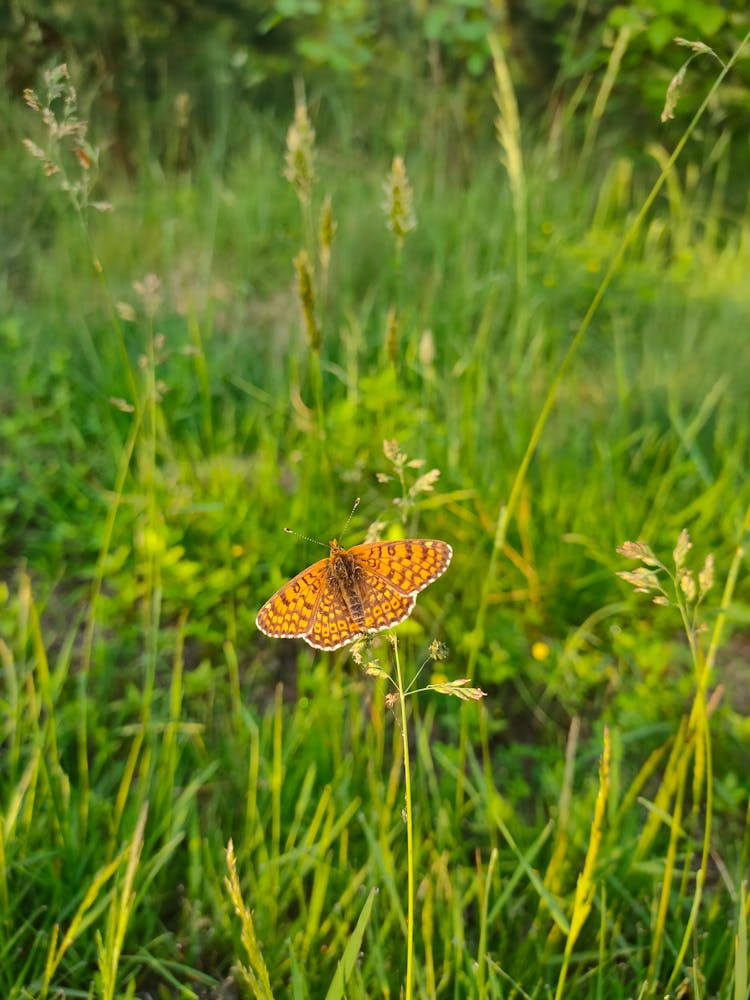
x,y
586,887
277,780
699,724
87,646
508,127
484,896
409,829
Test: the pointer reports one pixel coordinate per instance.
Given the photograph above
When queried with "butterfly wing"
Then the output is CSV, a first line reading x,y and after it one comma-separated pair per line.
x,y
388,577
287,615
408,565
382,606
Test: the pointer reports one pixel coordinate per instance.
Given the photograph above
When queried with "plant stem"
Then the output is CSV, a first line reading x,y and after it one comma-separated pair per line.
x,y
409,831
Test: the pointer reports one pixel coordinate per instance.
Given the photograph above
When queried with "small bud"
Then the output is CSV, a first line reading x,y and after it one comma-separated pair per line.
x,y
638,550
642,579
126,311
374,670
684,545
438,650
687,583
122,404
31,99
673,92
706,575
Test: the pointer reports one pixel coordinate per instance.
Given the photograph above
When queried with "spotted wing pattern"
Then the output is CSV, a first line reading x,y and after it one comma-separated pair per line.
x,y
409,564
287,615
378,591
382,605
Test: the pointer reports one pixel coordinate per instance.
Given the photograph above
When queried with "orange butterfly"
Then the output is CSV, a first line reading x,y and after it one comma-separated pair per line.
x,y
366,588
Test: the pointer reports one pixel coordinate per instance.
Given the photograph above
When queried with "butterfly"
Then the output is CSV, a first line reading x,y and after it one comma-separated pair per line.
x,y
367,588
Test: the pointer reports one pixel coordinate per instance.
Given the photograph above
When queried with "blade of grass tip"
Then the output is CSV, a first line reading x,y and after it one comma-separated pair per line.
x,y
585,887
87,645
316,895
427,895
253,827
608,82
257,977
351,952
300,809
52,756
14,710
740,948
200,365
110,949
544,894
332,928
602,945
3,874
553,875
168,755
277,779
126,784
484,898
298,987
507,509
409,828
233,667
29,777
55,955
381,858
315,904
669,873
666,790
525,864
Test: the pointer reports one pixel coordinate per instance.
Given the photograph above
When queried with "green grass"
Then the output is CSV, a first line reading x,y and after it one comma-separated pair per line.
x,y
145,722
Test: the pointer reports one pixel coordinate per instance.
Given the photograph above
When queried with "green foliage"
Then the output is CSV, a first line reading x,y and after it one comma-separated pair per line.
x,y
159,432
168,73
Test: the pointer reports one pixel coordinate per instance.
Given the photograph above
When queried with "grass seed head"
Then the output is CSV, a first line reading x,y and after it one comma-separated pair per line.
x,y
300,154
306,294
399,201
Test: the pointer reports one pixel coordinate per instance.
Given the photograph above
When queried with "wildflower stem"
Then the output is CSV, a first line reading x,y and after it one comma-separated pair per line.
x,y
409,830
699,724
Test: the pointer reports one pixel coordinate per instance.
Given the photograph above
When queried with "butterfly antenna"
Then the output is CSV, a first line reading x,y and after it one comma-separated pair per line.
x,y
315,541
351,515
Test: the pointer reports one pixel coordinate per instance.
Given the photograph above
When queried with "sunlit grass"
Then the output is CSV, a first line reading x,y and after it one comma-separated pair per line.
x,y
146,726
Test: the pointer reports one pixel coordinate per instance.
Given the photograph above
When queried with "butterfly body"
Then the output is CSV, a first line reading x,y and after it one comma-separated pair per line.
x,y
366,588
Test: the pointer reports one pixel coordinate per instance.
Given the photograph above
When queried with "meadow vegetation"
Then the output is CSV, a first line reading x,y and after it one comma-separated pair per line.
x,y
523,334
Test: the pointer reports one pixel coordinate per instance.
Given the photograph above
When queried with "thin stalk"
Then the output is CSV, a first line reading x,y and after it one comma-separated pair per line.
x,y
409,831
88,637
